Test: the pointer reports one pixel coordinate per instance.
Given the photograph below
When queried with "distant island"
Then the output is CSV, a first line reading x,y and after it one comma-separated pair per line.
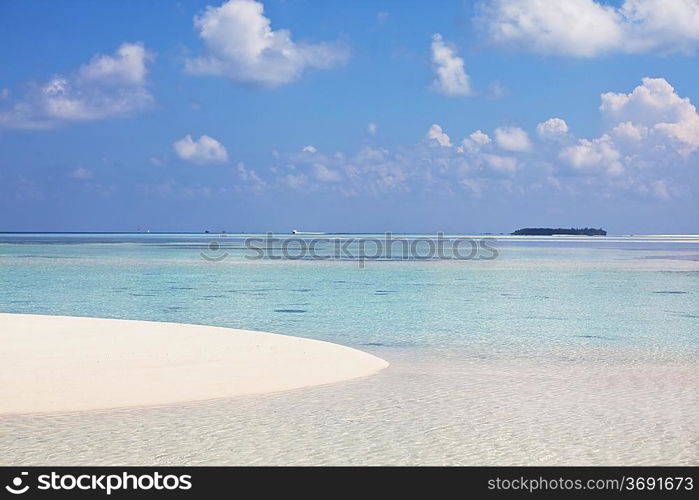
x,y
547,231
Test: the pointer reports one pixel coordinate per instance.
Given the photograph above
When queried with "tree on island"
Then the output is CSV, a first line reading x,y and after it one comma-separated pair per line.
x,y
547,231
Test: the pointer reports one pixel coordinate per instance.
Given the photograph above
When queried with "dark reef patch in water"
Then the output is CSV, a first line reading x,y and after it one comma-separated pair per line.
x,y
293,311
142,294
671,292
43,257
181,288
600,337
375,344
302,290
674,257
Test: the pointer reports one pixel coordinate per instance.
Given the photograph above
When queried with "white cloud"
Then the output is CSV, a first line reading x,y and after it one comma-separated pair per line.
x,y
126,67
324,174
480,138
250,178
106,87
451,78
296,181
372,128
663,25
309,149
241,45
475,141
506,164
435,132
512,139
632,155
656,105
594,155
588,28
204,150
651,127
627,131
552,128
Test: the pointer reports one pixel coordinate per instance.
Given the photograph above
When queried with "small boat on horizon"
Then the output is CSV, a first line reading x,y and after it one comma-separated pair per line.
x,y
296,231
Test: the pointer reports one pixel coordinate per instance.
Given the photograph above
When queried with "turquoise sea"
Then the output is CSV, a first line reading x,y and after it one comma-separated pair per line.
x,y
560,351
567,296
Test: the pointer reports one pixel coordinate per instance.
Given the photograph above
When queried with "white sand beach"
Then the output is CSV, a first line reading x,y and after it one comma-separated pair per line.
x,y
67,364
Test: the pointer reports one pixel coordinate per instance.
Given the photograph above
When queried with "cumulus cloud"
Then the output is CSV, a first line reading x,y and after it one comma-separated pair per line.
x,y
552,128
240,44
646,149
451,79
108,86
588,28
512,139
480,138
204,150
475,141
372,128
628,132
651,127
435,133
309,149
655,108
126,67
597,154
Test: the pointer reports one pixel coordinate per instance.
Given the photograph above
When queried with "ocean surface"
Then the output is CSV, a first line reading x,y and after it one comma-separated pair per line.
x,y
538,350
564,296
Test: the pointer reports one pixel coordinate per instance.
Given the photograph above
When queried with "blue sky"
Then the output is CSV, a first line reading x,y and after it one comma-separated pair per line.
x,y
349,116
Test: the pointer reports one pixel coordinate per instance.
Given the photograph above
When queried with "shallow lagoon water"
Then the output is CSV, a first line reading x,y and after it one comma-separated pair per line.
x,y
599,333
541,295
